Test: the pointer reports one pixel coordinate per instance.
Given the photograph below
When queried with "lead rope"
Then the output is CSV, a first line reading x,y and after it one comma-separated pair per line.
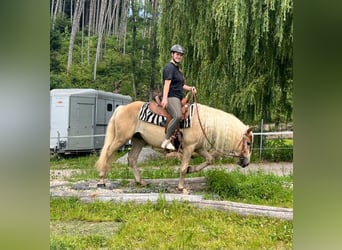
x,y
211,144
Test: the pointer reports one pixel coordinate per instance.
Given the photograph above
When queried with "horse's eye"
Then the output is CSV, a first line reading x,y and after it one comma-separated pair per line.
x,y
248,143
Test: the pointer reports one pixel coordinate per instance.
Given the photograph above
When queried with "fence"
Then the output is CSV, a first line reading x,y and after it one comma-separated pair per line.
x,y
273,145
261,147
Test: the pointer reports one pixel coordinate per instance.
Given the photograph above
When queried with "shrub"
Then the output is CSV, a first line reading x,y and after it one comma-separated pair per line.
x,y
257,188
277,150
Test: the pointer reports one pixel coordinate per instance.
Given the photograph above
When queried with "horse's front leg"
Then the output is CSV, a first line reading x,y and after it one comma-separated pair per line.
x,y
208,161
137,145
187,151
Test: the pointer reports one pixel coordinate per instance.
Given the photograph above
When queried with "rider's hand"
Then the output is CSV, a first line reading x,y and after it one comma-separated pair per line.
x,y
164,103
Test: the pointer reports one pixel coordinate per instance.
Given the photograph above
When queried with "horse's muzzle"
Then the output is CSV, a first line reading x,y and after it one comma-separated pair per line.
x,y
243,162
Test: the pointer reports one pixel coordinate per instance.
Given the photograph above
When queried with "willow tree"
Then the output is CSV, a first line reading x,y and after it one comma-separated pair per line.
x,y
238,53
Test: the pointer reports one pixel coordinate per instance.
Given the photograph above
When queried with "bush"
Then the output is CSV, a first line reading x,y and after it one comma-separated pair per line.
x,y
257,188
222,184
277,150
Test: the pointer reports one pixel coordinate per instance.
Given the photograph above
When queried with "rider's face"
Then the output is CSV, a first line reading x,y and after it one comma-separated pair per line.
x,y
177,57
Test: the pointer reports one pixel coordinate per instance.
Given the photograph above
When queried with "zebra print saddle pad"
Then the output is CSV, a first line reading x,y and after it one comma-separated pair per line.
x,y
147,115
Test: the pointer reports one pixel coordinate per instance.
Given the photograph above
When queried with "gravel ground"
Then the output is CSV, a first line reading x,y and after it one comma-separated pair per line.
x,y
59,179
279,168
88,191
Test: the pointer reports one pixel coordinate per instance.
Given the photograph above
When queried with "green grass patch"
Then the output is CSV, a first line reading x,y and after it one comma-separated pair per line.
x,y
162,225
256,187
73,162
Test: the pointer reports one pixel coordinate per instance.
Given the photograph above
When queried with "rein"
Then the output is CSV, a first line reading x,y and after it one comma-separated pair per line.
x,y
231,154
199,120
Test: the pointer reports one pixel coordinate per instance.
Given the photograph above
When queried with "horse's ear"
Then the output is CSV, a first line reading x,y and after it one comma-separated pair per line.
x,y
250,129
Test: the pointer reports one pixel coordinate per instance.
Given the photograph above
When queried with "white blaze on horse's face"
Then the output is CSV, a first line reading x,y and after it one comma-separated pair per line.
x,y
246,148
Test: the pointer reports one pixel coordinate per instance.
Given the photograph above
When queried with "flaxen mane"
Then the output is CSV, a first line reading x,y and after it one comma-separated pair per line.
x,y
223,129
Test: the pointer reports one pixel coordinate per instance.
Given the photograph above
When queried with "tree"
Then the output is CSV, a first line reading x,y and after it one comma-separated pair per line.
x,y
74,29
238,53
101,26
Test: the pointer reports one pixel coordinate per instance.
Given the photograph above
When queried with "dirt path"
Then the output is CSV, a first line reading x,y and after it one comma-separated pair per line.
x,y
279,168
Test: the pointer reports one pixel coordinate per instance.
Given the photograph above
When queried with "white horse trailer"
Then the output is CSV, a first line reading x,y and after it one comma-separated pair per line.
x,y
79,118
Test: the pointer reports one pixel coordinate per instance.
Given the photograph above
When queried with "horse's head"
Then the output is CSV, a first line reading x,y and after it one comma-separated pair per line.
x,y
245,148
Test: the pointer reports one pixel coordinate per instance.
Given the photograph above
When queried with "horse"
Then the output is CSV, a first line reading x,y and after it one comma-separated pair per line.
x,y
210,128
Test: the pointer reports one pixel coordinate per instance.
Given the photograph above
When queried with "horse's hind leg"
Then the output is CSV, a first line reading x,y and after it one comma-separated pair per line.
x,y
137,145
103,164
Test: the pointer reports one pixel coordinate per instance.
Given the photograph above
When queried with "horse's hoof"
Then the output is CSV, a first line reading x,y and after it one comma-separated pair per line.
x,y
185,191
101,185
189,170
142,183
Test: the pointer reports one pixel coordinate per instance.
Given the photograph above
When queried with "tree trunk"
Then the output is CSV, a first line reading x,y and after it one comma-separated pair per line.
x,y
82,47
134,47
71,7
123,24
55,12
100,34
154,49
75,26
90,26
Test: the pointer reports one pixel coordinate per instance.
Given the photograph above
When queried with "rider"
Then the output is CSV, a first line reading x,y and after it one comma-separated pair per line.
x,y
174,84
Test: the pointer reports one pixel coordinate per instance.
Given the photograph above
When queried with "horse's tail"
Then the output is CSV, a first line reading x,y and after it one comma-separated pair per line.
x,y
110,131
104,162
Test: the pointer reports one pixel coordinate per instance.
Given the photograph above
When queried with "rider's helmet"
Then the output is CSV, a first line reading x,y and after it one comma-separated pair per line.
x,y
177,48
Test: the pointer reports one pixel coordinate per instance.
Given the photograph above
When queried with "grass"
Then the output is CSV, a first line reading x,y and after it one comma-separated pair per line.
x,y
255,188
160,226
104,225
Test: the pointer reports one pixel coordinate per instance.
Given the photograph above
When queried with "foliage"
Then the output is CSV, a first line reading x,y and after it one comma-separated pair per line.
x,y
240,55
165,226
114,67
277,150
257,188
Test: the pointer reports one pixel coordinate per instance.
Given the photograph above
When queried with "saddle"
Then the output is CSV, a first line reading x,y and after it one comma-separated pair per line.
x,y
156,107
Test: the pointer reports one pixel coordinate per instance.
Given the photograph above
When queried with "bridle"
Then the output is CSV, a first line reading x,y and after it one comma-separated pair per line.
x,y
245,141
246,144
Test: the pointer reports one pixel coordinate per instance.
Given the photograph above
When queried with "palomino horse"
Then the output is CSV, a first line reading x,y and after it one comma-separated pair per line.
x,y
215,128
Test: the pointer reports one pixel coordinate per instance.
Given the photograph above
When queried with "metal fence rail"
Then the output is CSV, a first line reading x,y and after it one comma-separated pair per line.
x,y
269,136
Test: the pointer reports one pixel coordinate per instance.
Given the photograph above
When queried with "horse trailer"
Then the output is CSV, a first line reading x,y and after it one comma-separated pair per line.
x,y
79,118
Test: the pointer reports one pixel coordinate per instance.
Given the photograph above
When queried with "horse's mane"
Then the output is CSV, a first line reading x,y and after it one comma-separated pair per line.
x,y
224,130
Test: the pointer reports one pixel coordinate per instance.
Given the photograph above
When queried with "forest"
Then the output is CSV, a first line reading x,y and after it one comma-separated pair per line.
x,y
238,54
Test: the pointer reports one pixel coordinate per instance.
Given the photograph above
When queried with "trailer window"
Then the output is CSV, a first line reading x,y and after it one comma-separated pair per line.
x,y
109,107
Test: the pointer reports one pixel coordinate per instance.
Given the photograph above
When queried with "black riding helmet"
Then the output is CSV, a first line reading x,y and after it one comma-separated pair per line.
x,y
177,48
